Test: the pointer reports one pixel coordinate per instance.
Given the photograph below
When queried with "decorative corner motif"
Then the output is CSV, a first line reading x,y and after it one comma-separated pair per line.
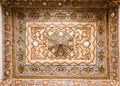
x,y
115,83
114,3
5,2
7,82
106,64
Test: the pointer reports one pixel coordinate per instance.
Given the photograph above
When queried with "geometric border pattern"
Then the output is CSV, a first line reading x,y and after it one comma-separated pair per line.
x,y
112,38
56,70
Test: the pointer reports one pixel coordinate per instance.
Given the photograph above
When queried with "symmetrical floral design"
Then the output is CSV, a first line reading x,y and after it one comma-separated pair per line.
x,y
61,47
61,43
24,26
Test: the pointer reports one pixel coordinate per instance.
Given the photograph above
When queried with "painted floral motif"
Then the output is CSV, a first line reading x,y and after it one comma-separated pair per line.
x,y
56,42
47,16
73,16
106,49
33,15
60,44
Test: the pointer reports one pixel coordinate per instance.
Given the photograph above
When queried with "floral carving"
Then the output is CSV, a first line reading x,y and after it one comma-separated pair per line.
x,y
73,16
33,15
47,16
20,16
104,14
60,16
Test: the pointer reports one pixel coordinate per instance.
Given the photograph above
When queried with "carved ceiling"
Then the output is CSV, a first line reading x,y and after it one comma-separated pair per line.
x,y
60,39
60,3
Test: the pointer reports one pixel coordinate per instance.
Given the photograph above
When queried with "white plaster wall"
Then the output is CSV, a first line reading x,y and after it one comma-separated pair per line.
x,y
1,44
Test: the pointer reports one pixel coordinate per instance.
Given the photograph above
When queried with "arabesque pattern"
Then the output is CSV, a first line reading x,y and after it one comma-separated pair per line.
x,y
36,44
73,40
61,43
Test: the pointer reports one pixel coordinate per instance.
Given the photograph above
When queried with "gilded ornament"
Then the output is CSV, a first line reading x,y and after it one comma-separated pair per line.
x,y
34,15
87,16
60,44
20,27
47,70
100,16
61,69
35,43
113,14
87,70
21,68
21,30
74,70
113,44
114,66
7,27
7,13
34,69
31,3
47,16
101,70
75,3
86,43
101,56
113,29
114,3
44,3
114,59
20,15
100,30
8,43
59,4
60,16
21,55
20,41
51,41
101,43
115,83
73,16
113,51
7,72
8,58
113,22
17,3
85,40
86,56
113,36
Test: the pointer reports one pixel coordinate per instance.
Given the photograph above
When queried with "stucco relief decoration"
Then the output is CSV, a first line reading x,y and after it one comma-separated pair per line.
x,y
60,43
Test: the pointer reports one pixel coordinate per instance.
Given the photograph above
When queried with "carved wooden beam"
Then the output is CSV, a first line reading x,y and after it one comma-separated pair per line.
x,y
112,3
74,3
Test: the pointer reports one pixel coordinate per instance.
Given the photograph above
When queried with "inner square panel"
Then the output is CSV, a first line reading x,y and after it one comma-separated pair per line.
x,y
61,43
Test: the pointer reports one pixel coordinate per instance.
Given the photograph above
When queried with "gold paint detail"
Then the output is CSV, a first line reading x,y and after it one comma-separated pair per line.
x,y
61,43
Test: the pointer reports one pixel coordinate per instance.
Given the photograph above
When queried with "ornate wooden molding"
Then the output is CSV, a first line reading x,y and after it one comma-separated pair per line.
x,y
60,3
5,2
114,3
7,82
10,82
22,13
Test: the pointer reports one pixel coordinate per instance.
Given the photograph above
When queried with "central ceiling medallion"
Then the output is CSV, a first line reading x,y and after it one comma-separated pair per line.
x,y
60,43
